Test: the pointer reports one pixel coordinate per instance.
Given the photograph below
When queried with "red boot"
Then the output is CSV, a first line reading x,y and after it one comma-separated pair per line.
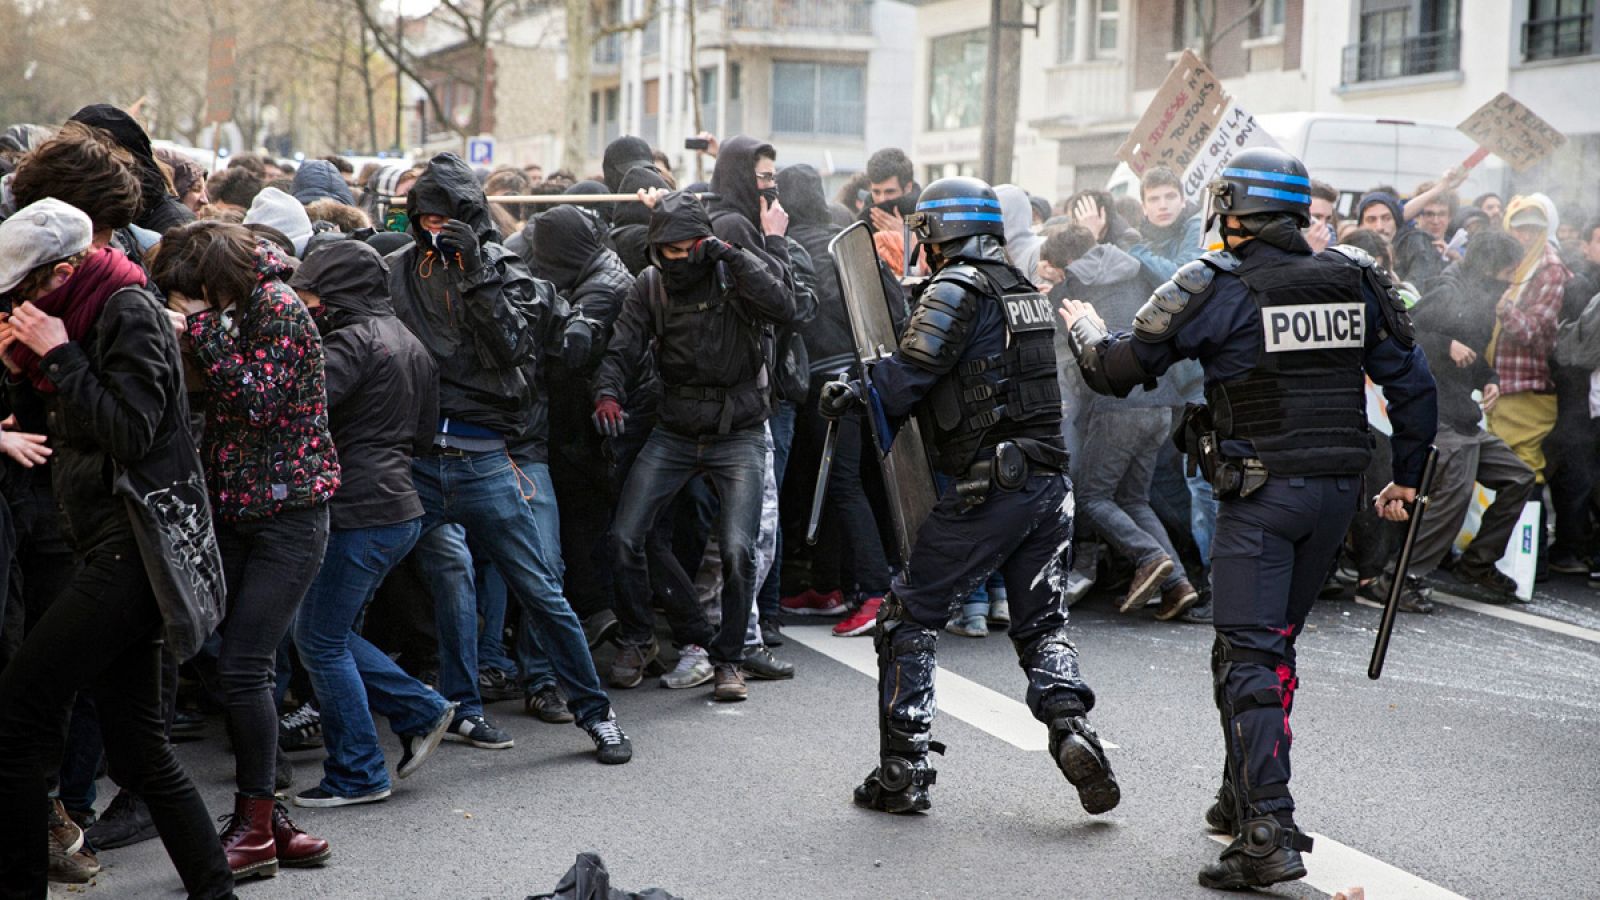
x,y
295,847
247,838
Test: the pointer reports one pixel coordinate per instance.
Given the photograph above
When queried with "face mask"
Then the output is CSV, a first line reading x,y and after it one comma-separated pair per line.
x,y
905,205
396,220
769,194
680,274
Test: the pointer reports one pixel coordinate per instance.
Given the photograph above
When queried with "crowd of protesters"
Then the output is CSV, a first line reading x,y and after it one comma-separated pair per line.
x,y
295,446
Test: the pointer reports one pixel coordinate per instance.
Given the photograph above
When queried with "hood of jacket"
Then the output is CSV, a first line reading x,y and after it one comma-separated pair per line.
x,y
800,188
678,216
159,209
622,156
351,278
734,178
1104,265
317,179
276,209
589,186
1387,199
569,239
271,264
449,187
1016,211
634,212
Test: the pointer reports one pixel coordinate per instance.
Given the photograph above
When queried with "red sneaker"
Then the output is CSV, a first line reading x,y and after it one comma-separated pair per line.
x,y
862,621
811,603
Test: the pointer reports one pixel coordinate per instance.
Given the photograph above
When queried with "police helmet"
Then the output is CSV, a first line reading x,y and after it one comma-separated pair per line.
x,y
1263,180
953,208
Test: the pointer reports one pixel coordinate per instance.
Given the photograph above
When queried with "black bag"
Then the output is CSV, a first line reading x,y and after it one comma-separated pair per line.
x,y
589,880
171,515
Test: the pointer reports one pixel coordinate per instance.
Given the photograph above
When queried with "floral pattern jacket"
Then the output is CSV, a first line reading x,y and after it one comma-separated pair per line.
x,y
267,447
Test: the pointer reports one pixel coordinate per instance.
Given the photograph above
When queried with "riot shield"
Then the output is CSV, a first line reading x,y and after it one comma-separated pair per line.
x,y
906,474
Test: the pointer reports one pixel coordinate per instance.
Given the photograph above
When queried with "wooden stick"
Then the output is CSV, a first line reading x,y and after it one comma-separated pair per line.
x,y
558,199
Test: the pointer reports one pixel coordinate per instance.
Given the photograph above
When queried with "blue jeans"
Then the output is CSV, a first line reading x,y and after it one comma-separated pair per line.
x,y
484,493
492,599
352,678
532,665
736,465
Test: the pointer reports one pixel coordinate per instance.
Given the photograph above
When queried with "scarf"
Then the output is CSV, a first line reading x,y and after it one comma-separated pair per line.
x,y
78,303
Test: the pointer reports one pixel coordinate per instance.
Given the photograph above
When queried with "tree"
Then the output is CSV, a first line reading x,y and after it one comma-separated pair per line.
x,y
581,39
1203,16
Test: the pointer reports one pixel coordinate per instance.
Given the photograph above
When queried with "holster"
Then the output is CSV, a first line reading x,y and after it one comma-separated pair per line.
x,y
1009,469
1197,438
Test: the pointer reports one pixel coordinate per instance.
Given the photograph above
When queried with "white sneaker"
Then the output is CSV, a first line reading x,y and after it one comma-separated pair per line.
x,y
693,670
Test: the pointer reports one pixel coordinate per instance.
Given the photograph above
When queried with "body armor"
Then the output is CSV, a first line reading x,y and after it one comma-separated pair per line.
x,y
1303,406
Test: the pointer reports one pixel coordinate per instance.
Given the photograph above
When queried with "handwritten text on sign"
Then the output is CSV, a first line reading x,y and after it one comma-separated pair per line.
x,y
1180,120
1513,131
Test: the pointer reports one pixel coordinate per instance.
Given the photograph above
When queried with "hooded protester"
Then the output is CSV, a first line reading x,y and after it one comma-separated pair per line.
x,y
383,403
318,179
603,210
1382,212
747,212
278,210
630,222
162,209
188,179
709,309
622,156
96,367
485,320
271,467
380,199
1022,245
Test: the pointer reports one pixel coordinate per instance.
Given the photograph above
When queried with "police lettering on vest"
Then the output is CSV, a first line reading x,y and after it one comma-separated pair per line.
x,y
1313,326
1028,312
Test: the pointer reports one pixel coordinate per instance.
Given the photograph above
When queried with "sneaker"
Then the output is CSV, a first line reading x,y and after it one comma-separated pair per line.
x,y
416,748
693,669
771,633
999,609
760,663
300,730
973,626
612,747
1567,564
600,628
1413,597
811,603
63,830
1176,599
126,821
477,731
71,867
1487,577
862,621
628,669
1146,582
320,798
730,684
547,705
495,685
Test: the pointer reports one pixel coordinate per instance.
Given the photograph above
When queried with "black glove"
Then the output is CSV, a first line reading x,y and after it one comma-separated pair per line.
x,y
838,398
576,342
710,249
457,239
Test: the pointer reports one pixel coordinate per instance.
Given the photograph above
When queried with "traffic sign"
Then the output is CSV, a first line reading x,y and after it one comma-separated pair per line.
x,y
480,150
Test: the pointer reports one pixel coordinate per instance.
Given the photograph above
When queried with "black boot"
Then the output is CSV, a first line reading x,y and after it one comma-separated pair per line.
x,y
1265,853
1221,817
898,785
1076,749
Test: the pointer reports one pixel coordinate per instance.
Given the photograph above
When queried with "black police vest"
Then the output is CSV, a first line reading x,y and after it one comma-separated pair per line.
x,y
1008,395
1303,406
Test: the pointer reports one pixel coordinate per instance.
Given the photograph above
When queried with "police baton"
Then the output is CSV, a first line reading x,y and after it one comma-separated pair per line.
x,y
1392,606
824,470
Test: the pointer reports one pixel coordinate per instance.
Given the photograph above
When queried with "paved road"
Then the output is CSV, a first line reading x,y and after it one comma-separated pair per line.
x,y
1470,768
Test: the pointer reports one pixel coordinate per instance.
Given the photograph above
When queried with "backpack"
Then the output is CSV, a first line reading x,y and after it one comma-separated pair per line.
x,y
1578,340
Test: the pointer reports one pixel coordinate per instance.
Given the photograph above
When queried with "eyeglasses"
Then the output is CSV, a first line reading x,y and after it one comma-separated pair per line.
x,y
767,177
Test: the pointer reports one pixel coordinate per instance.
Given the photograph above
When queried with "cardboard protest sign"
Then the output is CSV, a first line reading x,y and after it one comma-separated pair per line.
x,y
1192,127
1512,131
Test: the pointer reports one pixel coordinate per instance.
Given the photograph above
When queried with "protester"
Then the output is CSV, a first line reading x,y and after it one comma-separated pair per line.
x,y
1022,245
1170,230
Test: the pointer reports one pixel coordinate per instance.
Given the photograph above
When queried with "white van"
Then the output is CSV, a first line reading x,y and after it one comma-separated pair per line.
x,y
1358,153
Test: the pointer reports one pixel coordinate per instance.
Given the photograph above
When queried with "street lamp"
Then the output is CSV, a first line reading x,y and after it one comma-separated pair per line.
x,y
1038,9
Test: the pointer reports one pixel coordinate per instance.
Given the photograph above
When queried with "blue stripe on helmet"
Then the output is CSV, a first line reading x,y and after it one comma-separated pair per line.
x,y
971,217
1259,175
1275,194
959,201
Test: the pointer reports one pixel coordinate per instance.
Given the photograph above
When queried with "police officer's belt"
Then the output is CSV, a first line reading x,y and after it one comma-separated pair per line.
x,y
1013,463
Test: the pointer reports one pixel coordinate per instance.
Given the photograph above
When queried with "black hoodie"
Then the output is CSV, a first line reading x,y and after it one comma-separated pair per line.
x,y
159,208
624,154
711,339
736,213
481,327
383,386
630,222
572,254
827,335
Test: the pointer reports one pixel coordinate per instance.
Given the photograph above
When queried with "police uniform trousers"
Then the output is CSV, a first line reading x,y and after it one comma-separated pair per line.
x,y
1025,535
1272,552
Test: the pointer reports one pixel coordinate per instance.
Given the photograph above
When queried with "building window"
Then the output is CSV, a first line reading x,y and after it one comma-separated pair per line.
x,y
1268,20
818,99
1558,28
1399,38
1089,30
955,82
1187,28
1067,50
1107,17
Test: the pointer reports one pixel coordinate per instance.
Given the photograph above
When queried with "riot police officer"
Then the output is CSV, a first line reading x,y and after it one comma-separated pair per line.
x,y
1284,336
976,364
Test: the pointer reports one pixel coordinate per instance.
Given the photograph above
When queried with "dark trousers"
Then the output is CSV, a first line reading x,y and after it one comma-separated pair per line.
x,y
270,564
850,531
1573,453
735,464
1026,536
782,427
1272,552
106,625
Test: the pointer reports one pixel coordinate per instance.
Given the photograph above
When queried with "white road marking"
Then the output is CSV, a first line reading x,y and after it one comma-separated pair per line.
x,y
1333,867
1521,618
984,709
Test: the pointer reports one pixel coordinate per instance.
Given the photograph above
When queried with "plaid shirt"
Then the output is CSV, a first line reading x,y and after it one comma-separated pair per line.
x,y
1527,328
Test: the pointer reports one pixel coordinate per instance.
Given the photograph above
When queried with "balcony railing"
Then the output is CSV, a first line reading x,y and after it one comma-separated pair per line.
x,y
837,16
1420,54
1557,37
